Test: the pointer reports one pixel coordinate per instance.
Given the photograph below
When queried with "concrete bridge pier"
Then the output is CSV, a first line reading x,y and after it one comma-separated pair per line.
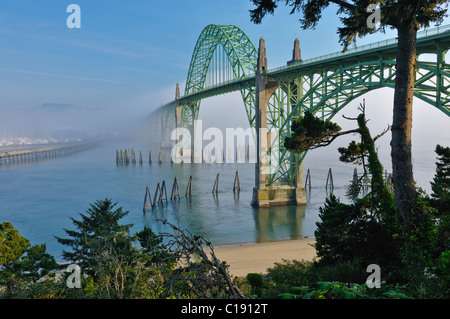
x,y
264,195
192,152
178,108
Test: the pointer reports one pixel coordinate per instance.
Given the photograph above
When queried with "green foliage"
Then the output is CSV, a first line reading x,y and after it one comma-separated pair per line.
x,y
294,279
338,290
362,232
444,230
441,181
97,232
152,247
310,132
350,233
354,14
440,196
445,263
354,153
12,246
256,282
294,273
115,264
37,263
370,230
20,263
332,236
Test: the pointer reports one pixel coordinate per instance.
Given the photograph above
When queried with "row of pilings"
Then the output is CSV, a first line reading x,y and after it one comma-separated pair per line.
x,y
361,180
128,156
160,197
241,154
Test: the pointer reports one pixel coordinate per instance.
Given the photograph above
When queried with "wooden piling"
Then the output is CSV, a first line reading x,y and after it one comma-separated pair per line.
x,y
163,191
237,184
175,189
157,191
216,184
330,179
140,157
133,156
150,157
127,156
160,157
189,187
308,179
148,197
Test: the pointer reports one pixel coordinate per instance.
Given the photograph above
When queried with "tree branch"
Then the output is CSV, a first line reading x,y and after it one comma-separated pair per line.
x,y
344,4
382,133
326,142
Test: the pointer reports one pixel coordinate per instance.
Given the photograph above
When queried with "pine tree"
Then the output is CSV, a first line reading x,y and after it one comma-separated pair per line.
x,y
97,234
20,262
406,16
441,182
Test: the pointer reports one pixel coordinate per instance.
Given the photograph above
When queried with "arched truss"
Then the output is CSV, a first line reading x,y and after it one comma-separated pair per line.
x,y
223,53
323,87
325,91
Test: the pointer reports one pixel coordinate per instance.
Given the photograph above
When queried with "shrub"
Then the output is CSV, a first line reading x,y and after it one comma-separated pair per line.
x,y
256,282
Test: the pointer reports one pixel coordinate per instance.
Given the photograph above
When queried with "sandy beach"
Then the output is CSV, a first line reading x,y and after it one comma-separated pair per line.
x,y
256,258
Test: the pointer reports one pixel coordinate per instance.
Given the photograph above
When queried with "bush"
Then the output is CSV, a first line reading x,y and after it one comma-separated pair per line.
x,y
352,234
256,282
338,290
21,264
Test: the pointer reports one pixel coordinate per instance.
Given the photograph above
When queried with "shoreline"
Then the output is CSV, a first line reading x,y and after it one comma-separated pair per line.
x,y
257,257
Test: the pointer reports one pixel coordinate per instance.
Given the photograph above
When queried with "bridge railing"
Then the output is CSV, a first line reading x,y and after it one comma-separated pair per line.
x,y
380,44
366,47
248,76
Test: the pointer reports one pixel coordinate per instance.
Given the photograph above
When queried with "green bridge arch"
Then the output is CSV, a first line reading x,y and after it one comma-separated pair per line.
x,y
323,85
238,51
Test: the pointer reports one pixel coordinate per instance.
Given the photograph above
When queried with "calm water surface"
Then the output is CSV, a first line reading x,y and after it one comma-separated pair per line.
x,y
39,198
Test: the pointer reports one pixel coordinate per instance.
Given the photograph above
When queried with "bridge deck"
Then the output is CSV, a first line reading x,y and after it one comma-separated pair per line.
x,y
387,49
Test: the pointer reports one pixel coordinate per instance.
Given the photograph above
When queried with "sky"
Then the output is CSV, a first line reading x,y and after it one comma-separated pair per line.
x,y
129,54
127,57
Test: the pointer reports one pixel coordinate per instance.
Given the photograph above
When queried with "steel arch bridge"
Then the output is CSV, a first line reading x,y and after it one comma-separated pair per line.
x,y
223,53
225,60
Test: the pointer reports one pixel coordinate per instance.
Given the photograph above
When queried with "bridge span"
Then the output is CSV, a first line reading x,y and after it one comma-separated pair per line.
x,y
225,60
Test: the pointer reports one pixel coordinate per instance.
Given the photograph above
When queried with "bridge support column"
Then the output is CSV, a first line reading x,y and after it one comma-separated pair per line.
x,y
263,194
177,109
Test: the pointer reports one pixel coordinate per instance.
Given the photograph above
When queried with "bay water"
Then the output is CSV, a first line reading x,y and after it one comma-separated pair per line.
x,y
40,198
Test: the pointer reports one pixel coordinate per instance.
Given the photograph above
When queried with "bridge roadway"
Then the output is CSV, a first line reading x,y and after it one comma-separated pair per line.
x,y
273,98
19,154
386,50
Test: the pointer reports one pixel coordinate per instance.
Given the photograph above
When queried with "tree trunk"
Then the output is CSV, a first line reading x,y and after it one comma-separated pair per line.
x,y
402,170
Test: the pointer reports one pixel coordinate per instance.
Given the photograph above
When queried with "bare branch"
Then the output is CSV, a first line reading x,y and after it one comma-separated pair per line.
x,y
350,118
382,133
196,270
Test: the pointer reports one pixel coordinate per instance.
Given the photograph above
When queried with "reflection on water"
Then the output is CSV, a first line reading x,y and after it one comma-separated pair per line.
x,y
274,222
